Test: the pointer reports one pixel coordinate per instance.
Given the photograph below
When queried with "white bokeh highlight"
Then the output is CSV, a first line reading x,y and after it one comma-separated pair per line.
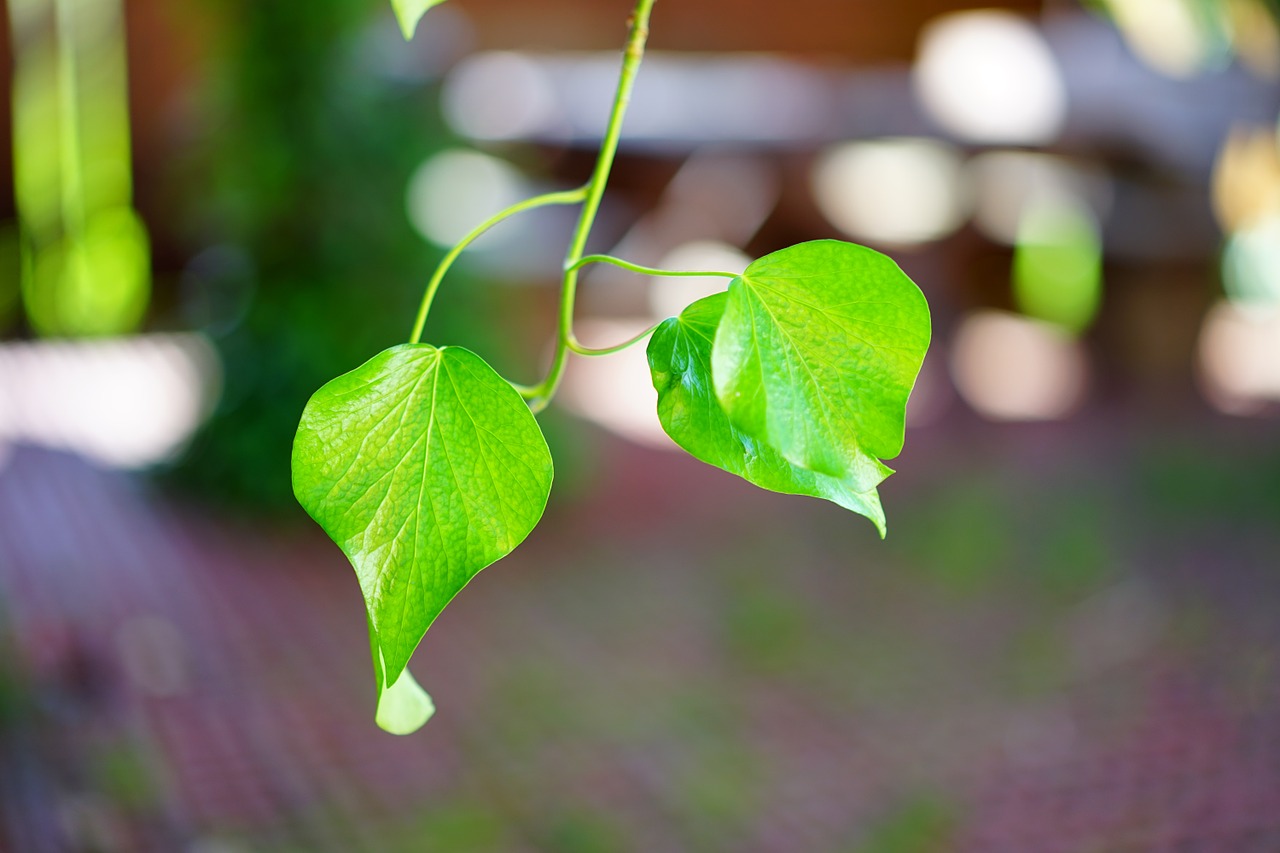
x,y
988,76
1011,368
455,190
900,191
122,403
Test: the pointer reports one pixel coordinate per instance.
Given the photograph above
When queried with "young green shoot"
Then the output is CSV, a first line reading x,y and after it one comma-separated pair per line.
x,y
425,466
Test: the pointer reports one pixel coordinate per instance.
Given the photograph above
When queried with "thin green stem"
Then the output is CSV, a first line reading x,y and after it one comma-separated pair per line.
x,y
526,391
565,197
542,393
627,265
581,350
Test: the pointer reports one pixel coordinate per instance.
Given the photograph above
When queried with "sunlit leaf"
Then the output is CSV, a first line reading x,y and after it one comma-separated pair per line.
x,y
680,361
424,466
409,12
816,354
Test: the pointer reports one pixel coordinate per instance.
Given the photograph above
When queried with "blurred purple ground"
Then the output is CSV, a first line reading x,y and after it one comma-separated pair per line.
x,y
1069,642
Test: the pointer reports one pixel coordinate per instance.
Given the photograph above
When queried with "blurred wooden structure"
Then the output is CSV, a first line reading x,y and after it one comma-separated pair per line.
x,y
855,31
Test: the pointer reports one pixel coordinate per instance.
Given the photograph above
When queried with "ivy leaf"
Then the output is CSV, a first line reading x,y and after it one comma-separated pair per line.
x,y
680,362
403,707
816,355
409,12
424,466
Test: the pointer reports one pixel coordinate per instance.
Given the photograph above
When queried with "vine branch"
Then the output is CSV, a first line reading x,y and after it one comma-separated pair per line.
x,y
581,350
643,270
540,395
565,197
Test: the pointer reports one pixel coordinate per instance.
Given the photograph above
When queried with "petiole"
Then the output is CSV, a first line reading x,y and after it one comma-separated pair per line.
x,y
573,196
643,270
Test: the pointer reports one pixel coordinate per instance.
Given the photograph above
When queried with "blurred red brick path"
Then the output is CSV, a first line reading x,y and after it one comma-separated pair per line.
x,y
697,667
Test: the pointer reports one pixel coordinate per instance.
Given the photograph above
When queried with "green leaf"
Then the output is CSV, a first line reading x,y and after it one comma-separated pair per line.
x,y
816,355
403,707
680,362
425,466
409,12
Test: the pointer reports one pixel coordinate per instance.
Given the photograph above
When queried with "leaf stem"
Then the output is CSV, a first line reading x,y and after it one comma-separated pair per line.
x,y
581,350
564,197
627,265
542,393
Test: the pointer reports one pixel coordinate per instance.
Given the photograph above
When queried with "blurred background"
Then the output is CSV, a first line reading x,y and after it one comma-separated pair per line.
x,y
1070,640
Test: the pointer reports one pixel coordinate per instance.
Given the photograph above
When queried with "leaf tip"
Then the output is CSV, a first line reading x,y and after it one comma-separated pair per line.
x,y
404,707
409,13
408,24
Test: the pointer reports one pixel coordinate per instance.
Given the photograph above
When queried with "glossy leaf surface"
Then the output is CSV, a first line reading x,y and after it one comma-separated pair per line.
x,y
680,362
409,12
424,466
816,354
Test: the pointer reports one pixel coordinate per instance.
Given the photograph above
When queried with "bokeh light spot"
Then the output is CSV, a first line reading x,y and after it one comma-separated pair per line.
x,y
1175,37
615,392
1008,184
1251,264
454,190
895,191
1246,177
498,95
95,282
1239,356
988,76
1057,265
668,295
123,403
1011,368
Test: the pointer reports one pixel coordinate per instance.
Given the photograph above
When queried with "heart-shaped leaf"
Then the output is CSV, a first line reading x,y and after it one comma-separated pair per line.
x,y
403,707
680,362
409,12
816,355
424,466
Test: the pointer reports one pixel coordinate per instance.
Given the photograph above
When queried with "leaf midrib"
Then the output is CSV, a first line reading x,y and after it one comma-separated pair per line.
x,y
826,409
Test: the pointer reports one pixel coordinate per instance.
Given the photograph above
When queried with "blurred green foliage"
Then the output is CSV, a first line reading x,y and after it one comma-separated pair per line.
x,y
460,824
120,770
10,275
922,824
1188,489
311,265
86,265
765,626
1057,266
15,693
977,533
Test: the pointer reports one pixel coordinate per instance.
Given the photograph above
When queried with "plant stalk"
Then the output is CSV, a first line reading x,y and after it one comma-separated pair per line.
x,y
643,270
567,197
540,395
